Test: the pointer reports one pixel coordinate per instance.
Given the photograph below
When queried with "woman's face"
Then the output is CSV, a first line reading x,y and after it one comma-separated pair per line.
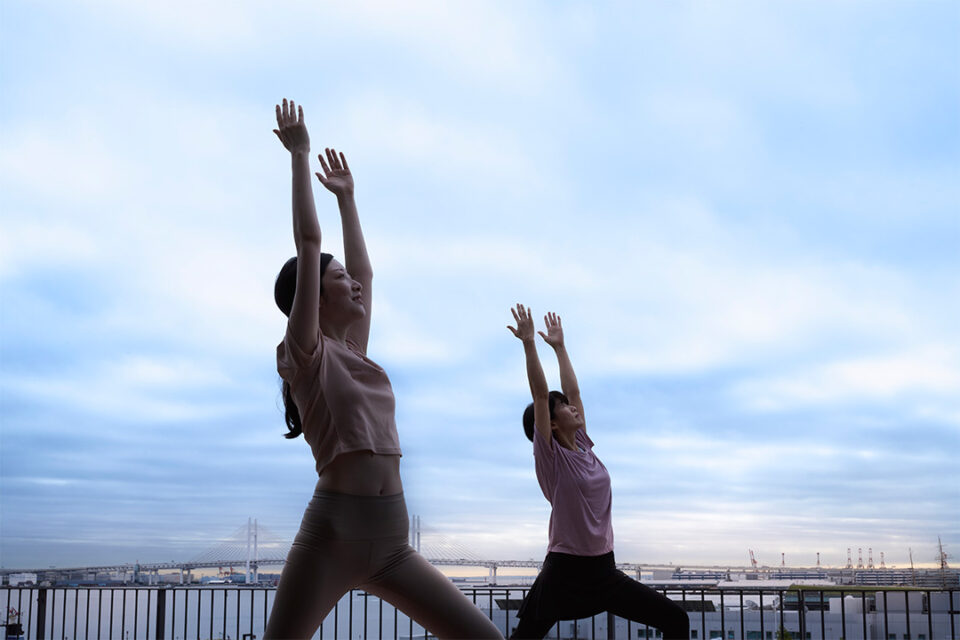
x,y
340,299
566,418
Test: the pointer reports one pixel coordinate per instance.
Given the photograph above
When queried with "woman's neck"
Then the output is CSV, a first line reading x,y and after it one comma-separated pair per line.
x,y
334,332
567,440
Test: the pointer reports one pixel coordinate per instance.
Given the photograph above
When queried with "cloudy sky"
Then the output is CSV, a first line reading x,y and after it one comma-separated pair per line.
x,y
746,214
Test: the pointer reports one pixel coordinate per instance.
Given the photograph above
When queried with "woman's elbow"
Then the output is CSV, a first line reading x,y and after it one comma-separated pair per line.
x,y
307,242
540,394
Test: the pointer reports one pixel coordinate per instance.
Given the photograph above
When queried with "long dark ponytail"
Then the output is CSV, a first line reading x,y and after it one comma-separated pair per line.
x,y
284,290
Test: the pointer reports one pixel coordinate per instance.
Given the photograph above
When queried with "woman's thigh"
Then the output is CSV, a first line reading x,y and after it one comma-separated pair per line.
x,y
531,628
638,602
414,586
314,578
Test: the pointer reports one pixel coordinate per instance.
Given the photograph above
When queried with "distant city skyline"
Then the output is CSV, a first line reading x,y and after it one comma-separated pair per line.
x,y
746,215
861,558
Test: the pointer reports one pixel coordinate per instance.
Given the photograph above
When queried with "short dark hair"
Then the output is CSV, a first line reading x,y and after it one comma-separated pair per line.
x,y
552,399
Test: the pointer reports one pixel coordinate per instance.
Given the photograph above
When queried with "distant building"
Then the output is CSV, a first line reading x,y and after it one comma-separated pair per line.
x,y
21,579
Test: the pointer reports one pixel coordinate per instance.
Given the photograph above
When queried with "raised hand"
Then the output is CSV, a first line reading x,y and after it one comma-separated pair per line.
x,y
336,175
554,334
524,330
291,129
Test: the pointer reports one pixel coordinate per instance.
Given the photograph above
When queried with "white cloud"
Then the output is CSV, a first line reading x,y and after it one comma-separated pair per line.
x,y
136,388
493,42
204,25
498,43
684,292
65,158
700,121
25,245
415,135
930,371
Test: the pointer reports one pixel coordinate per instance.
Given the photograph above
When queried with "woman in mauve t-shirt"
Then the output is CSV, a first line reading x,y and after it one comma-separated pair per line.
x,y
579,578
354,530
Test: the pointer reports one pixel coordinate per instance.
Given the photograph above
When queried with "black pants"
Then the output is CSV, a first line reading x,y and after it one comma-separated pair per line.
x,y
572,587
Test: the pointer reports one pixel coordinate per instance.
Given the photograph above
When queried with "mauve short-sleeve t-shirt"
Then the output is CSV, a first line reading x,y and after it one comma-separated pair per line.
x,y
577,486
345,399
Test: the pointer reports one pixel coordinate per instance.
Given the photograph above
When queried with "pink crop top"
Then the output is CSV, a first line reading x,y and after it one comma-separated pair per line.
x,y
345,399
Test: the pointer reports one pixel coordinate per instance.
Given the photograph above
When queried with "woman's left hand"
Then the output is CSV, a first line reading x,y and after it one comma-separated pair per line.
x,y
554,334
336,175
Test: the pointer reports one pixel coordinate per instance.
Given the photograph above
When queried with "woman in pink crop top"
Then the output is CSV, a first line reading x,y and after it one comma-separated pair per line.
x,y
354,530
579,577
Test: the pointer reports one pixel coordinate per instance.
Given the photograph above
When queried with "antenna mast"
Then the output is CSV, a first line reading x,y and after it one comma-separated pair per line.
x,y
943,564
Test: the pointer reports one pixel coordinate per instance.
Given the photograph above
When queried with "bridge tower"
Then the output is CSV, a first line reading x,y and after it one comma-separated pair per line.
x,y
252,557
415,527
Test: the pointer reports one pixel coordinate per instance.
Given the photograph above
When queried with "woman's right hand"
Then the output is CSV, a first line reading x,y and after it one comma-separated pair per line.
x,y
292,131
524,330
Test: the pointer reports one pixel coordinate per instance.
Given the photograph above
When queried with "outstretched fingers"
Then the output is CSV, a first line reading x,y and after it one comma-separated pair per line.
x,y
289,113
524,320
333,159
521,314
291,129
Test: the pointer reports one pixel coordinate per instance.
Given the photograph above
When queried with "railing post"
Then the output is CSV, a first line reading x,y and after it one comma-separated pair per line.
x,y
41,613
802,611
161,614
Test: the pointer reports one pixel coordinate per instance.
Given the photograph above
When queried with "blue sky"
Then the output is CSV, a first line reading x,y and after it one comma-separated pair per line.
x,y
746,214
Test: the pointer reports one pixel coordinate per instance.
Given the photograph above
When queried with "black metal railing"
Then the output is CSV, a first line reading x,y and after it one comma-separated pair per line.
x,y
240,613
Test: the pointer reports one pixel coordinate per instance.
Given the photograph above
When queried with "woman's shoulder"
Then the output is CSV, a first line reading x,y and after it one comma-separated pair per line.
x,y
292,357
583,439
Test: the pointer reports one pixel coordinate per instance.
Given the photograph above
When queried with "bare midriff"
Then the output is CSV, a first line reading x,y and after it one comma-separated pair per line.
x,y
362,473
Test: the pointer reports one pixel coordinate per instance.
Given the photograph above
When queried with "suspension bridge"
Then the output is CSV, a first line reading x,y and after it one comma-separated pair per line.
x,y
252,546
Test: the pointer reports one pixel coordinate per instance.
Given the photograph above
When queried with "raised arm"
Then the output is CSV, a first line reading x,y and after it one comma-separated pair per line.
x,y
336,177
538,381
568,379
303,321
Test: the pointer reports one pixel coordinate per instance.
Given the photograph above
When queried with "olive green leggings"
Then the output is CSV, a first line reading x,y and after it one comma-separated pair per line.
x,y
360,542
